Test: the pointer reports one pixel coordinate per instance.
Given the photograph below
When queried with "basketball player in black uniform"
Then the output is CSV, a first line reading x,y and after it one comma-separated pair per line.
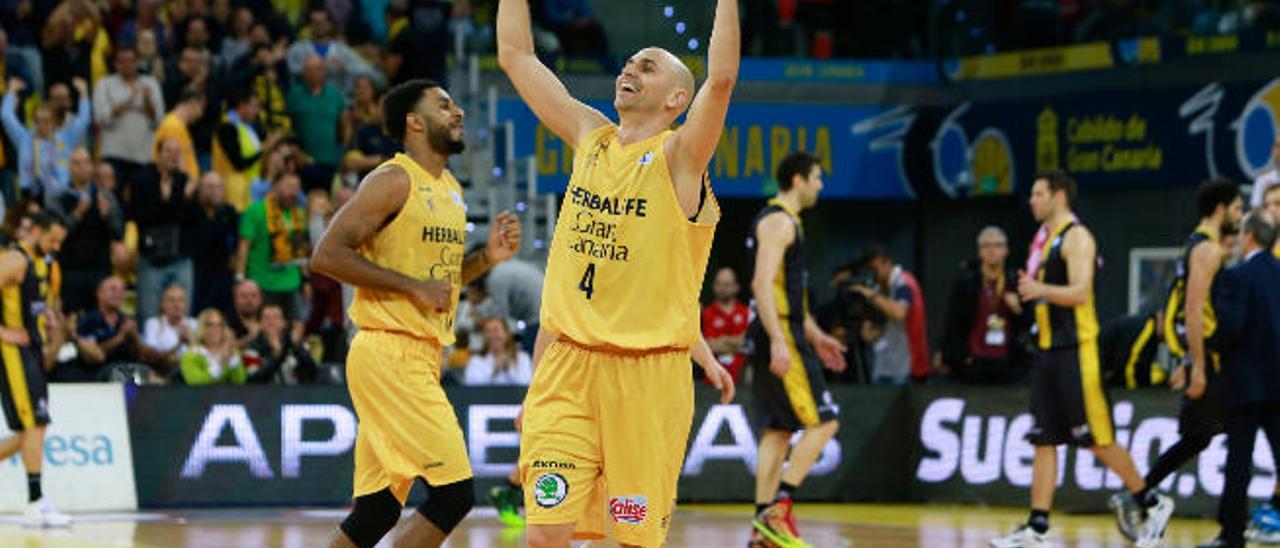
x,y
28,280
1189,323
1067,399
788,350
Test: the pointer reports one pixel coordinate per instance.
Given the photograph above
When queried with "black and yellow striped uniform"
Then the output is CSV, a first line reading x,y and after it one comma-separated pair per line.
x,y
1175,310
1129,348
23,306
800,399
1067,400
1203,416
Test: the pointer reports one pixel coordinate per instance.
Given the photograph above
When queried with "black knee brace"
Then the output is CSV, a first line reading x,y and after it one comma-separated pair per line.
x,y
373,516
447,504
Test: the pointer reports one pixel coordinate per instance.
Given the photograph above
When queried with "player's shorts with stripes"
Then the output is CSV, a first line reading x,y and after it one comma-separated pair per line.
x,y
24,392
798,400
1067,400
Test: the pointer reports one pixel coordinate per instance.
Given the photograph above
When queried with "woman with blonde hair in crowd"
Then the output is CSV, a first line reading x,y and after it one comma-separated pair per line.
x,y
214,359
499,362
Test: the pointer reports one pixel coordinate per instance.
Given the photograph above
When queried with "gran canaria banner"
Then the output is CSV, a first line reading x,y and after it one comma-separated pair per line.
x,y
1135,138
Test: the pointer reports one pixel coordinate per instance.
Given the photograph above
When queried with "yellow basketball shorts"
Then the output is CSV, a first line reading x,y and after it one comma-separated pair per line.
x,y
407,428
604,439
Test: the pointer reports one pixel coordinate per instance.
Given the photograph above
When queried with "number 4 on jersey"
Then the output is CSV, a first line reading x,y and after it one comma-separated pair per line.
x,y
588,283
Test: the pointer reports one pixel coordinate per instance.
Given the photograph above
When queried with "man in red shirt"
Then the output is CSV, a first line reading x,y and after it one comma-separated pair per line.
x,y
725,321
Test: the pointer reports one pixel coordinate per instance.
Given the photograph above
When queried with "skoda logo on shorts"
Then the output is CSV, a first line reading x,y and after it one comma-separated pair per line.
x,y
550,490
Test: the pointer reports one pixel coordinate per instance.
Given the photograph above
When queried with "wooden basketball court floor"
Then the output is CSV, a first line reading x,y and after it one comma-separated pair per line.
x,y
700,526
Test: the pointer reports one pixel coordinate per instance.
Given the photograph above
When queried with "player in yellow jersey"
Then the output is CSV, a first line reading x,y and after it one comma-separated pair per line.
x,y
29,279
400,241
1271,202
607,416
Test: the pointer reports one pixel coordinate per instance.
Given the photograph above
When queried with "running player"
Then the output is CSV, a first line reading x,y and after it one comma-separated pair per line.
x,y
786,346
1067,400
1188,323
400,241
607,416
29,278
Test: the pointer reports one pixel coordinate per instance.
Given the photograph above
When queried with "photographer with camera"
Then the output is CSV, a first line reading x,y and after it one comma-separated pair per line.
x,y
902,352
984,317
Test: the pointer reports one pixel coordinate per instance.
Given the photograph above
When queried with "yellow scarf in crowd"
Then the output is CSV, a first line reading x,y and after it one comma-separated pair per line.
x,y
288,234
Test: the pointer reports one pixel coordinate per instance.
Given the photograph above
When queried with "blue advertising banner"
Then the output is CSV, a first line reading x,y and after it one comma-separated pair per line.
x,y
837,71
1144,138
1140,138
860,154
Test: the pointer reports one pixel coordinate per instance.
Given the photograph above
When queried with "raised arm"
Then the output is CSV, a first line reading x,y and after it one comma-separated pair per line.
x,y
568,118
8,115
695,141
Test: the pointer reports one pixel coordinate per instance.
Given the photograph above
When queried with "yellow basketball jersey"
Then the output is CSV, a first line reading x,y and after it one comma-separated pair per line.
x,y
626,266
425,240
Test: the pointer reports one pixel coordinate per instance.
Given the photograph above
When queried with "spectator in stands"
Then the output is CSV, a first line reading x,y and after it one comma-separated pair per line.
x,y
148,19
274,244
150,61
316,109
196,33
67,42
107,338
984,316
175,125
235,44
238,147
476,305
214,359
572,21
170,332
725,322
278,354
127,107
193,70
44,150
60,103
516,288
902,352
499,362
1268,178
368,145
264,73
343,65
162,194
418,42
93,218
246,322
215,225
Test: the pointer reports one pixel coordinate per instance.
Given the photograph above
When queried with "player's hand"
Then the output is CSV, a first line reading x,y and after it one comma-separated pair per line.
x,y
1178,378
779,358
16,337
1028,288
830,351
722,380
434,295
1195,388
504,238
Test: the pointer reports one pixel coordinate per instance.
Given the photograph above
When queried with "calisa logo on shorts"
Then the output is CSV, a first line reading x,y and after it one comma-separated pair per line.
x,y
629,509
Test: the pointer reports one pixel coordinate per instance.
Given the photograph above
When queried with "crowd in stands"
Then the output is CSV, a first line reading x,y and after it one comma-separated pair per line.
x,y
195,151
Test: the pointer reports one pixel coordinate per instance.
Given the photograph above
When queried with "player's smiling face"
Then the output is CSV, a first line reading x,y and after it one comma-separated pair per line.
x,y
444,121
644,81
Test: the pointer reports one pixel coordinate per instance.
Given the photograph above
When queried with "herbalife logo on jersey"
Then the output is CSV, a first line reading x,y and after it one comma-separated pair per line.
x,y
629,509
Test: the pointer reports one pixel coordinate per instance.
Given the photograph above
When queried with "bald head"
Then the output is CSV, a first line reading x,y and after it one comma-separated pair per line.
x,y
654,80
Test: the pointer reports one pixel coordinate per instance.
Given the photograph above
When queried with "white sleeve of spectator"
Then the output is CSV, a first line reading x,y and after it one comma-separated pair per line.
x,y
102,102
524,369
158,97
479,370
151,333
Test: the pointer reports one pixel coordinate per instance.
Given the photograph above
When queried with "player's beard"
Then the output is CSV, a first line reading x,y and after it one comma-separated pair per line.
x,y
440,140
